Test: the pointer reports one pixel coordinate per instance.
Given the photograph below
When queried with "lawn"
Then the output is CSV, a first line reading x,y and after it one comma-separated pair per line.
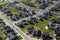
x,y
20,38
8,17
14,10
57,37
19,0
37,5
2,34
40,25
2,3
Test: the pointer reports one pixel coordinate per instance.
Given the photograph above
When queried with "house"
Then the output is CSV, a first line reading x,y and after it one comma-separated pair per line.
x,y
15,17
1,20
24,9
6,10
33,33
50,1
1,7
24,14
57,31
15,2
22,23
31,12
50,26
2,24
53,21
40,18
58,5
46,36
57,20
17,6
9,14
44,5
27,14
30,21
54,8
9,4
10,33
7,30
38,1
21,15
34,19
44,16
48,13
36,33
13,37
29,4
30,29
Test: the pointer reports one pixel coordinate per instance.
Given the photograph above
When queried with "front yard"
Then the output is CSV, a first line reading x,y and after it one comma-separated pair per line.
x,y
2,35
40,25
14,10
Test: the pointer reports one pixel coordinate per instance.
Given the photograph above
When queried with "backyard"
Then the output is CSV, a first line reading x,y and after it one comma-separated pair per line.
x,y
40,25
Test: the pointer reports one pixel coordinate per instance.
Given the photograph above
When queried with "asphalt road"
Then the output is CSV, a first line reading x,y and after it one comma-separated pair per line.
x,y
16,28
11,24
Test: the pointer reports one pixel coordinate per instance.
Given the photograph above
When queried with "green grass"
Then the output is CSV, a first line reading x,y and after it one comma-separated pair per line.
x,y
57,37
8,17
2,34
20,38
37,5
14,10
19,0
40,25
2,3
